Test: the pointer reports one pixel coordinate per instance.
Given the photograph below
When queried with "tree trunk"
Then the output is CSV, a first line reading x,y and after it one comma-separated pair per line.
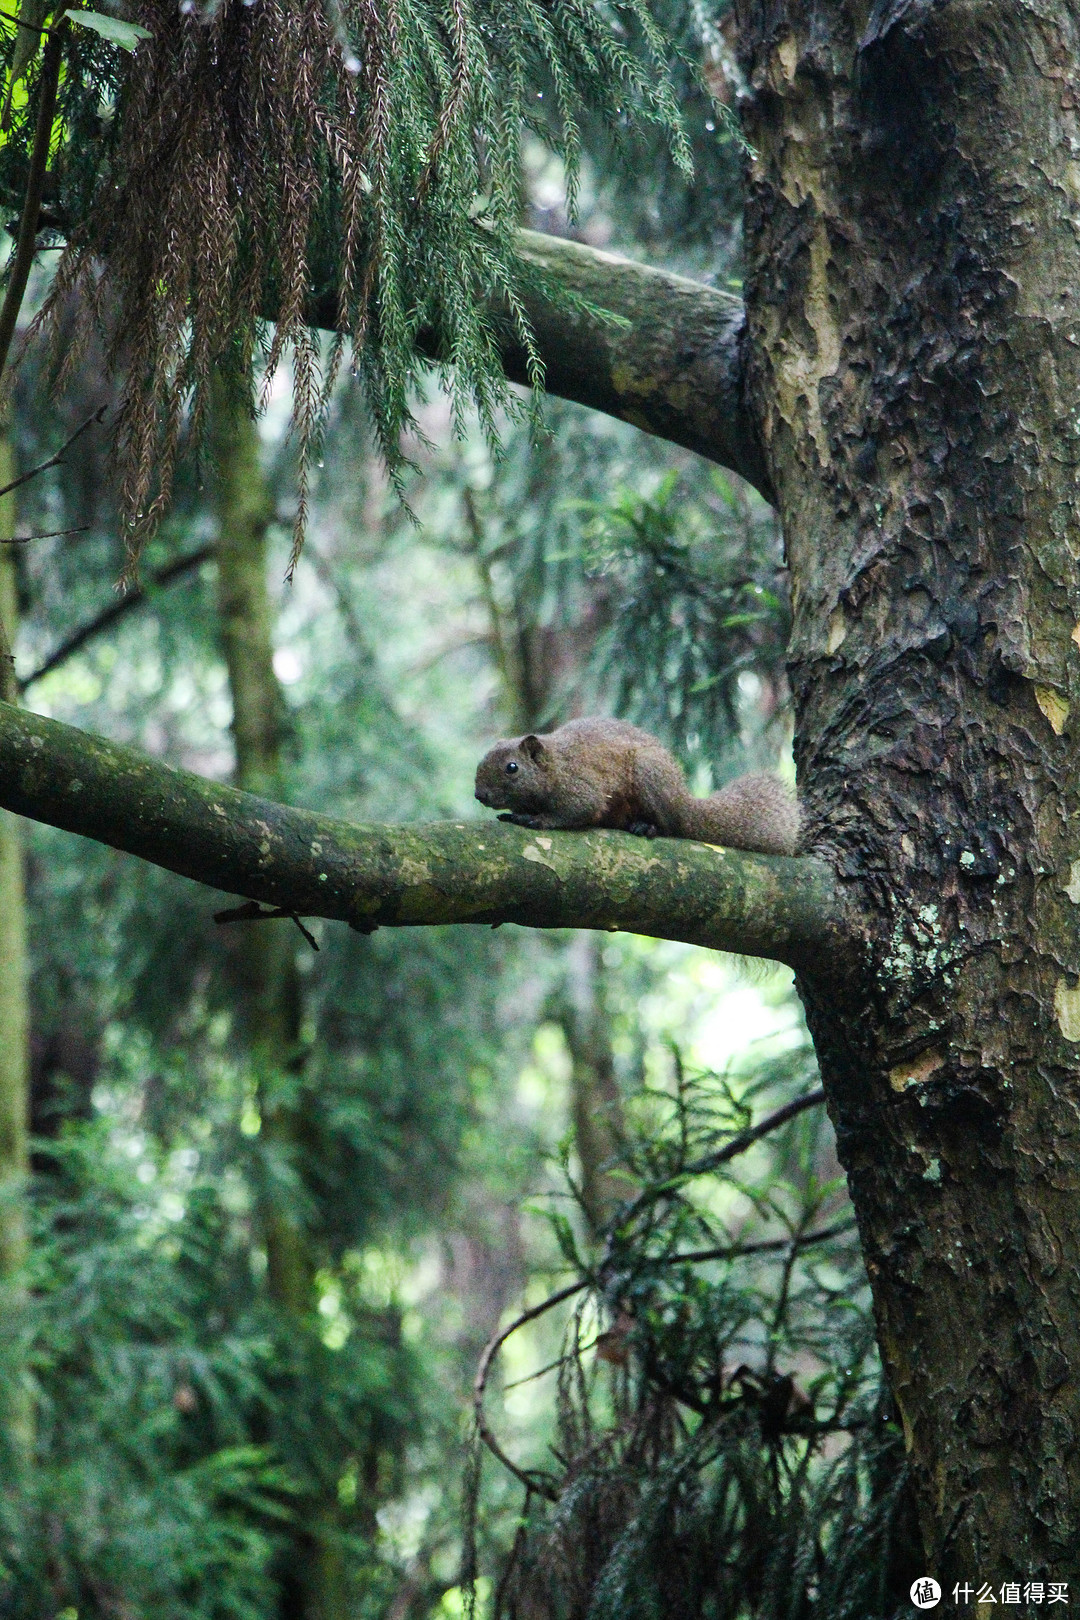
x,y
265,956
914,365
14,1011
596,1106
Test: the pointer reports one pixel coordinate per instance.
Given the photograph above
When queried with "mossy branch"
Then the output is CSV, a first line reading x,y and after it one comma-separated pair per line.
x,y
401,876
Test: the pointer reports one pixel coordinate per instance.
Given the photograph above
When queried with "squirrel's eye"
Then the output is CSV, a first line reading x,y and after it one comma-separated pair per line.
x,y
511,767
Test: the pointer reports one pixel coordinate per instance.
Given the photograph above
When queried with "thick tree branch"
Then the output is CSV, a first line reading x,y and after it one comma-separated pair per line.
x,y
671,364
441,872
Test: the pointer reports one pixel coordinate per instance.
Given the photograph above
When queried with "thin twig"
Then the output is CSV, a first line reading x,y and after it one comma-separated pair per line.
x,y
328,574
511,677
532,1481
251,911
754,1133
51,534
783,1296
529,1378
731,1150
35,187
116,610
735,1251
33,28
57,460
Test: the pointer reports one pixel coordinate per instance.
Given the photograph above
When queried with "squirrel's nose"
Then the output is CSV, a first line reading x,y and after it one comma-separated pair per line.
x,y
481,795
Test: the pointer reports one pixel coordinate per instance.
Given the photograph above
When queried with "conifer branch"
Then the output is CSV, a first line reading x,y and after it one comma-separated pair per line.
x,y
402,876
672,363
667,356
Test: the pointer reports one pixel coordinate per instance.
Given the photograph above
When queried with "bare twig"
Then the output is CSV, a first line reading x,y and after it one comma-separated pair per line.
x,y
735,1251
57,460
51,534
251,911
783,1297
730,1150
532,1480
560,1361
328,574
33,28
116,610
754,1133
35,186
497,637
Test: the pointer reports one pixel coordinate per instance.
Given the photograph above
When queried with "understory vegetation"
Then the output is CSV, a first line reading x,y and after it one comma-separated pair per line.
x,y
491,1120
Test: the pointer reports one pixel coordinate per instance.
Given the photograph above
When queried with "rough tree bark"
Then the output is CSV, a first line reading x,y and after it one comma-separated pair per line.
x,y
264,959
914,342
595,1101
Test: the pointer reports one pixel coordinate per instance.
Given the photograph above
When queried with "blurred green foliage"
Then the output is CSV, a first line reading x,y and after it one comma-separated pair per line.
x,y
184,1431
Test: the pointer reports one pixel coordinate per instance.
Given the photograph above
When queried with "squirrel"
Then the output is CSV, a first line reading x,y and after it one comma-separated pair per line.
x,y
607,773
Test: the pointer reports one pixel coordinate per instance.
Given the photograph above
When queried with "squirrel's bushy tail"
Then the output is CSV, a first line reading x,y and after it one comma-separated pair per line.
x,y
754,812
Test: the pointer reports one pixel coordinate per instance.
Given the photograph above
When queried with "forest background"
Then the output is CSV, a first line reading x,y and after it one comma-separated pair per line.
x,y
255,1277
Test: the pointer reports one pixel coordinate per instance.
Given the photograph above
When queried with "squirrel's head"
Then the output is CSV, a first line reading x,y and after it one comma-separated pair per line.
x,y
514,776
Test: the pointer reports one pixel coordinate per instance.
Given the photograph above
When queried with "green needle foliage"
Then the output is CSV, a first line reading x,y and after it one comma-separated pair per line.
x,y
724,1443
647,593
695,571
180,1425
257,156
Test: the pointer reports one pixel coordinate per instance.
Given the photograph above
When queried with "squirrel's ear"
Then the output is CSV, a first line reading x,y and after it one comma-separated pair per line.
x,y
532,746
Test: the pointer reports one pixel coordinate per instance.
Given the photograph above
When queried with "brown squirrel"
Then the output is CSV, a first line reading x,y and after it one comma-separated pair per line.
x,y
608,773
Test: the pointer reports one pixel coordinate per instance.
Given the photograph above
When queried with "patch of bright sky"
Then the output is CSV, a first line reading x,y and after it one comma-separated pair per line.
x,y
714,1006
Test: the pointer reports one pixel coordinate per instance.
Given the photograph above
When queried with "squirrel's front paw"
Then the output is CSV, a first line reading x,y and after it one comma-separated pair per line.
x,y
643,829
517,819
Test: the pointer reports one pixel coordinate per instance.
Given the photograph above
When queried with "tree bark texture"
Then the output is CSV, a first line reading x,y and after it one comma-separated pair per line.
x,y
596,1106
913,302
268,1000
18,1413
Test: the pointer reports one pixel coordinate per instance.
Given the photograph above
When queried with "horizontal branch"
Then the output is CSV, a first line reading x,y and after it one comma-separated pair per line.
x,y
401,876
672,364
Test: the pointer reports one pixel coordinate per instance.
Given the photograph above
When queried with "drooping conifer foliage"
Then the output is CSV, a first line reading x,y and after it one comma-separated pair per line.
x,y
255,153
